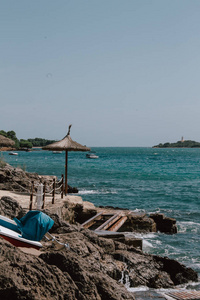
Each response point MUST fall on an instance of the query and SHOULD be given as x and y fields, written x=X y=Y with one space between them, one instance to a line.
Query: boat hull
x=13 y=153
x=92 y=156
x=17 y=240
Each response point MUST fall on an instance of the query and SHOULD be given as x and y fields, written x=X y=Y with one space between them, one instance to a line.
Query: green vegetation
x=26 y=144
x=11 y=135
x=179 y=144
x=38 y=142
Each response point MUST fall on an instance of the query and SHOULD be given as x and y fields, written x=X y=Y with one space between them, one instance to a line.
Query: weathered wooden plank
x=109 y=222
x=118 y=224
x=92 y=220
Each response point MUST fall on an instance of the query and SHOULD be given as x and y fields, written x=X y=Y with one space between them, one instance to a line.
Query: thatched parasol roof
x=6 y=142
x=66 y=144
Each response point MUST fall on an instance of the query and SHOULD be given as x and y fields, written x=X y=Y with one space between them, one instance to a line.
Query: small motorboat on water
x=13 y=153
x=92 y=155
x=57 y=152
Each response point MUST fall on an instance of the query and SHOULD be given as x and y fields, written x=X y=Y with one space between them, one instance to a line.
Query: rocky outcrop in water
x=93 y=268
x=164 y=224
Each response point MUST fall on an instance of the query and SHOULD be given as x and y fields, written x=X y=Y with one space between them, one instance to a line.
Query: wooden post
x=31 y=196
x=53 y=192
x=66 y=159
x=44 y=191
x=62 y=186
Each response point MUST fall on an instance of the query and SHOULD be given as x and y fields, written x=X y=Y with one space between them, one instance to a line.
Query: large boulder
x=139 y=222
x=10 y=208
x=164 y=224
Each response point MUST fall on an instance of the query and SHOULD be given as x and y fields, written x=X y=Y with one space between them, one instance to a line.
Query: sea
x=140 y=179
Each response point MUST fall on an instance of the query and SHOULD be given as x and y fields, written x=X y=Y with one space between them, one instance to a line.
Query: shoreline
x=75 y=209
x=124 y=257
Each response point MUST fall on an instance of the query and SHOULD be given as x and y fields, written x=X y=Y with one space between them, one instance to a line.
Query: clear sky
x=123 y=73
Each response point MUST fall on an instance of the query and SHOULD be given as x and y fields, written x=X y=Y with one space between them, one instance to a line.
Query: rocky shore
x=95 y=267
x=16 y=179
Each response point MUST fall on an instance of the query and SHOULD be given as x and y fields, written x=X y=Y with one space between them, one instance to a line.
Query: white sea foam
x=195 y=265
x=156 y=211
x=147 y=245
x=138 y=210
x=191 y=226
x=158 y=242
x=189 y=223
x=87 y=192
x=163 y=291
x=145 y=235
x=192 y=284
x=196 y=260
x=138 y=289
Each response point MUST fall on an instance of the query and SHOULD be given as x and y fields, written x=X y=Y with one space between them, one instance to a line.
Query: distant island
x=179 y=144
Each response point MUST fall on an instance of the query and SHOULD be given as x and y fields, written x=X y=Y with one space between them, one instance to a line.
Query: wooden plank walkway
x=110 y=222
x=106 y=225
x=91 y=221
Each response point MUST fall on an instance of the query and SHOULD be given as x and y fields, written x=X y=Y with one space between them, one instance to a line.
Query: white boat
x=10 y=232
x=17 y=240
x=91 y=155
x=57 y=152
x=13 y=153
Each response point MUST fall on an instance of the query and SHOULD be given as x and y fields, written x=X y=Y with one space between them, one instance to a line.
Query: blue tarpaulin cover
x=34 y=225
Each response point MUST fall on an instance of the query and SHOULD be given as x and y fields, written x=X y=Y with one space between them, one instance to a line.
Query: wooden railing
x=57 y=188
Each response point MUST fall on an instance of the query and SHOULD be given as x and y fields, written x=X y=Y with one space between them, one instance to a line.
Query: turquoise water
x=141 y=179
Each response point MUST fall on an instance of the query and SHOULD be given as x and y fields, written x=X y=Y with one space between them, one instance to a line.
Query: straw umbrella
x=66 y=144
x=6 y=142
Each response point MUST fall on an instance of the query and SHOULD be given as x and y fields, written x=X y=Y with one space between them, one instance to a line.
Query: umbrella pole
x=66 y=159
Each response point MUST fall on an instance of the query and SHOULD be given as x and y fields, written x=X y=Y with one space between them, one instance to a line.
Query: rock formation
x=164 y=224
x=93 y=268
x=15 y=179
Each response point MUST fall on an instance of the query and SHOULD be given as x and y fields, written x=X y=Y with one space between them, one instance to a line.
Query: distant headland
x=20 y=144
x=179 y=144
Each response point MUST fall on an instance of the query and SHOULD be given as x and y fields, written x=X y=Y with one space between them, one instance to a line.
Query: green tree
x=25 y=144
x=2 y=132
x=39 y=142
x=11 y=135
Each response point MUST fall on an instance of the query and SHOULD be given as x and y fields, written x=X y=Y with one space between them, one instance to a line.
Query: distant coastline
x=179 y=144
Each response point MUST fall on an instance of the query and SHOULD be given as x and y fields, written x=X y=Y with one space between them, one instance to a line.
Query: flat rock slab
x=121 y=237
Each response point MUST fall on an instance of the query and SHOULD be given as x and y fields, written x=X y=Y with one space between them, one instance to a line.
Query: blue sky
x=123 y=73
